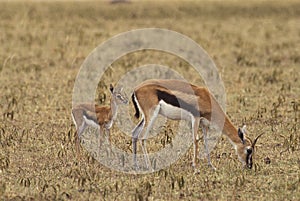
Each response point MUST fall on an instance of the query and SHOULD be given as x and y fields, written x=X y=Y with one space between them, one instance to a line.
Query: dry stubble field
x=254 y=45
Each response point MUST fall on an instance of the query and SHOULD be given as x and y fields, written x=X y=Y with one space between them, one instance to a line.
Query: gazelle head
x=245 y=150
x=118 y=96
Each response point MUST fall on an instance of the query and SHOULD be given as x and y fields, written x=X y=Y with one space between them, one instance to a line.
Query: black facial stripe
x=249 y=158
x=121 y=97
x=177 y=102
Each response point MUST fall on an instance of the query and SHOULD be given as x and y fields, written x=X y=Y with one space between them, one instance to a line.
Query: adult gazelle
x=179 y=100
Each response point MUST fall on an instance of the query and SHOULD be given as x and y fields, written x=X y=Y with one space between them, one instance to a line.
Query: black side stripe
x=177 y=102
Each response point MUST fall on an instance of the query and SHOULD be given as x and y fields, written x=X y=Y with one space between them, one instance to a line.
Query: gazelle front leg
x=135 y=134
x=104 y=137
x=205 y=126
x=108 y=140
x=79 y=131
x=195 y=126
x=100 y=138
x=148 y=126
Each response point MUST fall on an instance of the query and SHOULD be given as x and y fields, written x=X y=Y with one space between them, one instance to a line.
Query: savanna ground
x=255 y=46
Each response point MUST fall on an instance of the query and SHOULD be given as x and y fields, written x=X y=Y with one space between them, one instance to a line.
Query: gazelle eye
x=249 y=151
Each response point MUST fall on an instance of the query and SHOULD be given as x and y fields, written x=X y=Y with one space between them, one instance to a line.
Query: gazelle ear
x=244 y=129
x=241 y=135
x=111 y=88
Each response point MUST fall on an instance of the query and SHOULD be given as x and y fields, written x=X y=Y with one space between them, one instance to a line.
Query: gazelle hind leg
x=77 y=144
x=205 y=125
x=145 y=153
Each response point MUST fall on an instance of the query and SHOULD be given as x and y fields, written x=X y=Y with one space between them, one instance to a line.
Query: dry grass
x=255 y=46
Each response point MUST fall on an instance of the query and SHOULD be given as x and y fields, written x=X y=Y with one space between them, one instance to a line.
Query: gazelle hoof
x=136 y=167
x=196 y=171
x=212 y=167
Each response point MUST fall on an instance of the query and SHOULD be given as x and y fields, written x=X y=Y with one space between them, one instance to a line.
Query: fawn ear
x=241 y=135
x=111 y=88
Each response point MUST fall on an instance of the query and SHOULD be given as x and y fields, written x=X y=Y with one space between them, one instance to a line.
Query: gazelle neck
x=231 y=132
x=113 y=107
x=225 y=124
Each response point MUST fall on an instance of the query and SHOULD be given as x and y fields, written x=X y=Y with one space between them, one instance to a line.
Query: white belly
x=173 y=112
x=90 y=122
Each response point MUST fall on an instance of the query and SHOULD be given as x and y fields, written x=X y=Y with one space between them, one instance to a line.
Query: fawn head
x=118 y=96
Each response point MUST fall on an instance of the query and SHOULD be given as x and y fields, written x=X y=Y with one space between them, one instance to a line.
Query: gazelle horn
x=255 y=140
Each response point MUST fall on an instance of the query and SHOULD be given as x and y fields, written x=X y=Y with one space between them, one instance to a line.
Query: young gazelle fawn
x=179 y=100
x=94 y=115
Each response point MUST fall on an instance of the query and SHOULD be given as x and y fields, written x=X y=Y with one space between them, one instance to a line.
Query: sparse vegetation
x=255 y=46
